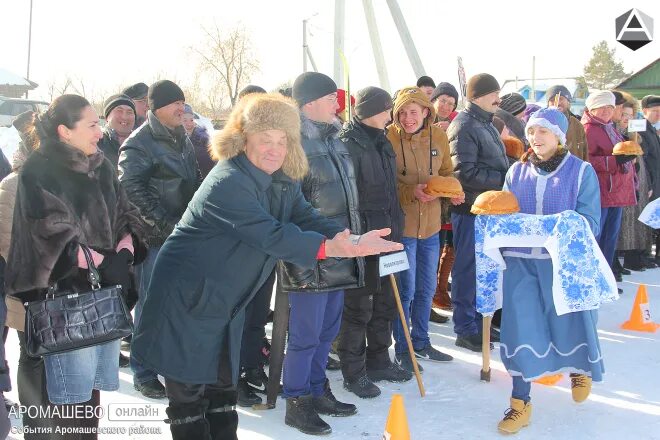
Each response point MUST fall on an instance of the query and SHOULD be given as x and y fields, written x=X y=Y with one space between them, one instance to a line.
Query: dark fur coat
x=65 y=198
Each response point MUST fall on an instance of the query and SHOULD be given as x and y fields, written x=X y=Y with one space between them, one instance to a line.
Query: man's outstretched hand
x=371 y=243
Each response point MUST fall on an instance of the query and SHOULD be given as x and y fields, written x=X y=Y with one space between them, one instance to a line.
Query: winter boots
x=222 y=416
x=328 y=404
x=441 y=299
x=516 y=417
x=580 y=387
x=392 y=373
x=362 y=387
x=300 y=414
x=187 y=421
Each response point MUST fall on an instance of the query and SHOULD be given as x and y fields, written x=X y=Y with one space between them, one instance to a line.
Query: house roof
x=630 y=82
x=8 y=78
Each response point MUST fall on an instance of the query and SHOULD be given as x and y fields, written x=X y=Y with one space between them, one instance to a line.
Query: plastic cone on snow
x=549 y=380
x=640 y=317
x=396 y=427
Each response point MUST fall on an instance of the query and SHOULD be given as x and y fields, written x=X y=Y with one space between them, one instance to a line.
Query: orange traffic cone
x=640 y=317
x=549 y=380
x=396 y=427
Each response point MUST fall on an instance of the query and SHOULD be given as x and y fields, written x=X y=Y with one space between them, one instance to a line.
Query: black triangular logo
x=634 y=23
x=634 y=45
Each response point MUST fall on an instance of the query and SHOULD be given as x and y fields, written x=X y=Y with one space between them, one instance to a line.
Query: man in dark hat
x=444 y=99
x=576 y=139
x=480 y=164
x=138 y=93
x=510 y=114
x=366 y=329
x=119 y=113
x=426 y=85
x=316 y=297
x=650 y=143
x=160 y=184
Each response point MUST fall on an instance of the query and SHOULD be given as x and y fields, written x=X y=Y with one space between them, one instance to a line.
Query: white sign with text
x=636 y=125
x=393 y=263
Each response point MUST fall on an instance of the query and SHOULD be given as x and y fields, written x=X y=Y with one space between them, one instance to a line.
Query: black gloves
x=114 y=269
x=624 y=158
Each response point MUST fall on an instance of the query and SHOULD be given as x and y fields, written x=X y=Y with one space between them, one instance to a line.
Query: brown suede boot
x=441 y=299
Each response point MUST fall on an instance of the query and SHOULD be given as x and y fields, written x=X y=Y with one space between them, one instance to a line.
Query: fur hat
x=258 y=112
x=650 y=101
x=552 y=119
x=409 y=95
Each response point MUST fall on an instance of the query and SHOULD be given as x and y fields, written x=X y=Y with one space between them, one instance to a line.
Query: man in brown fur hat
x=248 y=213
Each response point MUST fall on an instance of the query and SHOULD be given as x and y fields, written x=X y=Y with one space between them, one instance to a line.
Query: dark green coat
x=238 y=224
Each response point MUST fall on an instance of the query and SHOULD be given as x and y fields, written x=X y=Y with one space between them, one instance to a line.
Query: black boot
x=329 y=405
x=222 y=416
x=300 y=414
x=333 y=364
x=362 y=387
x=257 y=378
x=187 y=421
x=246 y=394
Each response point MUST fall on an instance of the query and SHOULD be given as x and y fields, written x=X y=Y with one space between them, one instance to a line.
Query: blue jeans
x=608 y=236
x=143 y=276
x=464 y=277
x=521 y=389
x=71 y=376
x=417 y=289
x=314 y=322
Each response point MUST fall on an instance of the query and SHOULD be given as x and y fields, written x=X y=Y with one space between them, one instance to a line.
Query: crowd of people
x=197 y=228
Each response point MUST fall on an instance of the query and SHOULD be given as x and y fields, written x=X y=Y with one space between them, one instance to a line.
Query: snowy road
x=459 y=406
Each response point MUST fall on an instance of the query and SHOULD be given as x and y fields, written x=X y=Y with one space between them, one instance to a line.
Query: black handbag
x=67 y=321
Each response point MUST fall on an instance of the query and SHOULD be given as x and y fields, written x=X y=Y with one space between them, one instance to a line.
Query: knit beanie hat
x=250 y=89
x=513 y=103
x=187 y=110
x=115 y=101
x=480 y=85
x=552 y=119
x=425 y=81
x=444 y=88
x=600 y=98
x=410 y=95
x=371 y=101
x=311 y=86
x=136 y=91
x=650 y=101
x=556 y=90
x=164 y=92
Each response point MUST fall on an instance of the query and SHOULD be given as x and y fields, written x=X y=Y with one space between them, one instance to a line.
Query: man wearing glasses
x=138 y=93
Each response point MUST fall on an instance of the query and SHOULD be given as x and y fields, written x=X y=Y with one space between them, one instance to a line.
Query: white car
x=12 y=107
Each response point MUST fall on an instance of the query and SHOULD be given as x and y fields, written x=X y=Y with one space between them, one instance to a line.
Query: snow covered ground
x=459 y=406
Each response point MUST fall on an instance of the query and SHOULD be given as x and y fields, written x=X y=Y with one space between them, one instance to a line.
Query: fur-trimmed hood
x=259 y=112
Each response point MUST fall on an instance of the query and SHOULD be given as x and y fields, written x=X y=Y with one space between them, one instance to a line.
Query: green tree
x=603 y=70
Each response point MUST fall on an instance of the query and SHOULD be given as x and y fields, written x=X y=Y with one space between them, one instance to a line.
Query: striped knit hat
x=552 y=119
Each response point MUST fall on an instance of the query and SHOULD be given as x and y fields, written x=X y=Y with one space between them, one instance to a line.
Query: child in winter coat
x=535 y=341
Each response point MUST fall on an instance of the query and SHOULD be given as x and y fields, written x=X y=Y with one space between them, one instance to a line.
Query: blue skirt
x=535 y=342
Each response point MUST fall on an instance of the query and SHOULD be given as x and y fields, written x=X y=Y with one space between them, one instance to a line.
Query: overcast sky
x=119 y=42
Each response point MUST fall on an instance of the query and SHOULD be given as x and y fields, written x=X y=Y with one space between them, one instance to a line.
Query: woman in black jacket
x=68 y=195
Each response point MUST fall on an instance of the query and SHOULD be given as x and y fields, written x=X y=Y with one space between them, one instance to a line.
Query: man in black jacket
x=316 y=296
x=369 y=311
x=119 y=112
x=158 y=170
x=651 y=146
x=480 y=164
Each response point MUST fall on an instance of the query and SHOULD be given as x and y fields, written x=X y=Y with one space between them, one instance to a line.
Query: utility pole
x=340 y=14
x=304 y=52
x=375 y=44
x=406 y=39
x=29 y=47
x=533 y=97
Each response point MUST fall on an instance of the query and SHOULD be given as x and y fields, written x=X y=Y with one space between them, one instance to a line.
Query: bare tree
x=227 y=58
